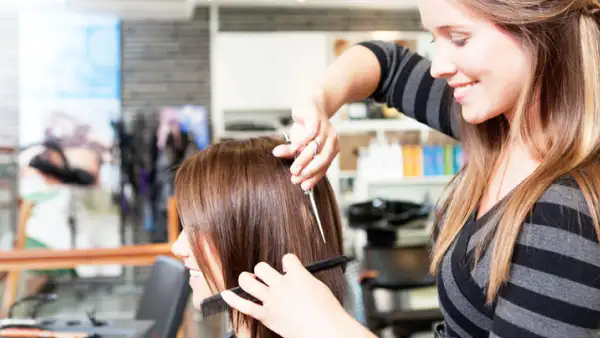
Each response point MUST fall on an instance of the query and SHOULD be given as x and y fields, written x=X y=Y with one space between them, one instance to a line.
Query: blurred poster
x=70 y=89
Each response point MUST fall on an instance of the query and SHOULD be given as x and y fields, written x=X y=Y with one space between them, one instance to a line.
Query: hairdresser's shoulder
x=562 y=213
x=554 y=282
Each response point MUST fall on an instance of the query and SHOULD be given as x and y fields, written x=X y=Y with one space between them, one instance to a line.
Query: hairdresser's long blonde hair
x=563 y=38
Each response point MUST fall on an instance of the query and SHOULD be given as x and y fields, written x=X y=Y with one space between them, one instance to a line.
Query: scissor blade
x=312 y=198
x=316 y=211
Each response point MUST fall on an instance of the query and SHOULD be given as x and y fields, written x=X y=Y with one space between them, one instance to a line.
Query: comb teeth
x=215 y=304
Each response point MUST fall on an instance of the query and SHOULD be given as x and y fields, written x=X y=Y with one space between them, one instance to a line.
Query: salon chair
x=165 y=297
x=161 y=306
x=388 y=274
x=381 y=219
x=389 y=270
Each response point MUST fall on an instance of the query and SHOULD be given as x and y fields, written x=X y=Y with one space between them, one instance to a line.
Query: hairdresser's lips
x=462 y=90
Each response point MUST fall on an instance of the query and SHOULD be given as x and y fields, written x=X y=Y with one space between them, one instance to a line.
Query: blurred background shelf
x=421 y=180
x=379 y=125
x=408 y=180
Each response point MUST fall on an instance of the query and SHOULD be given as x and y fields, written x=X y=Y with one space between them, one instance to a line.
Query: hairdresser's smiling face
x=198 y=282
x=486 y=66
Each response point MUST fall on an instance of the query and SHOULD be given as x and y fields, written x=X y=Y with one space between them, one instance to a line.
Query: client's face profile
x=198 y=282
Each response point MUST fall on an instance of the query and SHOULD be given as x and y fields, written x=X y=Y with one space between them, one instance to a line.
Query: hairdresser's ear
x=292 y=265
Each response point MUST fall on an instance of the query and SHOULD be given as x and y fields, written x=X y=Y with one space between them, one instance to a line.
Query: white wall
x=266 y=71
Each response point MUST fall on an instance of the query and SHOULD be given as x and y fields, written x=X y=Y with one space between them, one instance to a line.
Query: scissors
x=311 y=196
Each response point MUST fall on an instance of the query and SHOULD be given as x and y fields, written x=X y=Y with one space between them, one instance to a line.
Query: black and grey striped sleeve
x=554 y=285
x=407 y=85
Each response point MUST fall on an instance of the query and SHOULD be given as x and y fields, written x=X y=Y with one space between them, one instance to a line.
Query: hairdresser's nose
x=181 y=247
x=441 y=66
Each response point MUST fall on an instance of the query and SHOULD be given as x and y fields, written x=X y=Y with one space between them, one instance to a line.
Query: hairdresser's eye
x=458 y=41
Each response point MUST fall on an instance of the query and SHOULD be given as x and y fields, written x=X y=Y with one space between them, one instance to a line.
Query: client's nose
x=180 y=247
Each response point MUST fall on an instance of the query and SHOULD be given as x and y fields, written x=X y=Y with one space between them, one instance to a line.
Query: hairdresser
x=517 y=254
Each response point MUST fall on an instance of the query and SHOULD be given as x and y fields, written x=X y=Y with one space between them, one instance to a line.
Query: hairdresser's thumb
x=292 y=265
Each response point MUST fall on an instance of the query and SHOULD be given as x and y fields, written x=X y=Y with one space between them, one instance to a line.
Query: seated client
x=238 y=208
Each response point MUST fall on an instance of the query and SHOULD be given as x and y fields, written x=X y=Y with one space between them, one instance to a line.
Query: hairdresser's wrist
x=355 y=330
x=326 y=100
x=345 y=326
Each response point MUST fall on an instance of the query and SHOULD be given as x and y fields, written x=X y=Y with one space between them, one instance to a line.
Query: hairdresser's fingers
x=292 y=265
x=317 y=168
x=283 y=150
x=306 y=127
x=303 y=176
x=311 y=182
x=253 y=286
x=243 y=305
x=305 y=137
x=307 y=154
x=311 y=179
x=267 y=274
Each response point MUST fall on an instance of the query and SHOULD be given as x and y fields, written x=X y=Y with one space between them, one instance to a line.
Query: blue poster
x=69 y=91
x=70 y=56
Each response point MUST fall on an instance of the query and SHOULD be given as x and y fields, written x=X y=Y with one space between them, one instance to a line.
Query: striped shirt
x=554 y=284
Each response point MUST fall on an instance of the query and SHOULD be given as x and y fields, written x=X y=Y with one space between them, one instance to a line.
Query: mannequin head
x=239 y=208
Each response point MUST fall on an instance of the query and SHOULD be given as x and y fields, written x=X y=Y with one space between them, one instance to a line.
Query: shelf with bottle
x=402 y=170
x=432 y=160
x=428 y=164
x=378 y=125
x=412 y=180
x=396 y=156
x=407 y=156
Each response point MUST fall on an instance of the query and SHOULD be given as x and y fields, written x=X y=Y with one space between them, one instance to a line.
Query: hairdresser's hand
x=311 y=123
x=294 y=305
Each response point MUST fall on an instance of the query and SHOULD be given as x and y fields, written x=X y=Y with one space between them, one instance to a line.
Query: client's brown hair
x=239 y=198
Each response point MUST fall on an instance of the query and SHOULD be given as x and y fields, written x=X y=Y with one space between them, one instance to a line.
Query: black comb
x=215 y=304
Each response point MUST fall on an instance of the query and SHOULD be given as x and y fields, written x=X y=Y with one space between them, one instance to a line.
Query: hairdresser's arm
x=392 y=74
x=554 y=285
x=389 y=73
x=406 y=84
x=383 y=71
x=295 y=305
x=353 y=76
